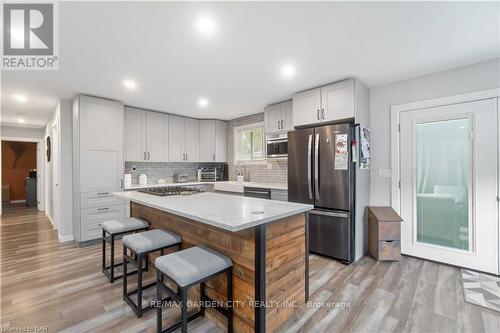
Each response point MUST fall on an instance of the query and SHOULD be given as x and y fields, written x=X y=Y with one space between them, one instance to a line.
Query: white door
x=448 y=158
x=176 y=139
x=273 y=118
x=220 y=141
x=192 y=139
x=207 y=140
x=135 y=135
x=306 y=107
x=337 y=101
x=156 y=137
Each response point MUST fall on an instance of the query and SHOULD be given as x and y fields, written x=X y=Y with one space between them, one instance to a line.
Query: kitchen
x=233 y=190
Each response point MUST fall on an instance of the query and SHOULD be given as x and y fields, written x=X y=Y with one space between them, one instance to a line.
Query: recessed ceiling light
x=20 y=98
x=20 y=118
x=202 y=102
x=288 y=71
x=206 y=26
x=129 y=84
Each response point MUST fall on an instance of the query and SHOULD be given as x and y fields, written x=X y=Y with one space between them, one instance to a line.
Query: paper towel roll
x=127 y=180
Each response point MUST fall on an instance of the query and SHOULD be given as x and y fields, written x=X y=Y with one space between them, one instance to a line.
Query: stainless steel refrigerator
x=321 y=173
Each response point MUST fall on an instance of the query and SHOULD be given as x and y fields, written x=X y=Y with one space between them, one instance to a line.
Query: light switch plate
x=384 y=173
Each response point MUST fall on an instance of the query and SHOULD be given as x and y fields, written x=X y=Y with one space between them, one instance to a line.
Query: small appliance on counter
x=143 y=180
x=181 y=177
x=212 y=172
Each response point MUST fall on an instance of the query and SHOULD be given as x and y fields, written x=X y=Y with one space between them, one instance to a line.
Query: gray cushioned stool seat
x=123 y=225
x=150 y=240
x=193 y=264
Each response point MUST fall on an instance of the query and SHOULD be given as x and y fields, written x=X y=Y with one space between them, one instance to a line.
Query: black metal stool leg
x=112 y=266
x=230 y=300
x=124 y=271
x=202 y=299
x=139 y=285
x=103 y=250
x=159 y=309
x=184 y=317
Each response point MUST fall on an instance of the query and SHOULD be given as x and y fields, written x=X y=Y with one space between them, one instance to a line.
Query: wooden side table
x=384 y=233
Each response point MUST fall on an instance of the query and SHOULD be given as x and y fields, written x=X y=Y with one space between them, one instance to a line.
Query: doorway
x=449 y=184
x=19 y=174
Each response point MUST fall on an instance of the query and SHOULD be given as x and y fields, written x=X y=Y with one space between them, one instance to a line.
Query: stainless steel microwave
x=277 y=145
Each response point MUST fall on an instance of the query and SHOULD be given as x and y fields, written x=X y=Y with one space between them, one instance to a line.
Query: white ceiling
x=238 y=70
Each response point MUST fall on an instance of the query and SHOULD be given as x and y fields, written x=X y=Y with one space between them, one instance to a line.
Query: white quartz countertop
x=272 y=186
x=228 y=212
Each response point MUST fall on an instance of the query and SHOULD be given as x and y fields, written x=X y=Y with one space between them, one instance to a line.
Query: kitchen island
x=266 y=240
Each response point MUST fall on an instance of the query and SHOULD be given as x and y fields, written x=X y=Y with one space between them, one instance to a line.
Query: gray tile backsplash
x=274 y=171
x=160 y=170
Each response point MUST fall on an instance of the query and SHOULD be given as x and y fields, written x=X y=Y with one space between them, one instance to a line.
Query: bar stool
x=116 y=228
x=141 y=245
x=187 y=268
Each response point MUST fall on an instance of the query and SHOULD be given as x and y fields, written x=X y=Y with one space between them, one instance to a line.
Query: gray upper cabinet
x=325 y=104
x=135 y=134
x=146 y=135
x=176 y=139
x=212 y=141
x=100 y=136
x=306 y=107
x=337 y=101
x=220 y=141
x=184 y=139
x=278 y=117
x=192 y=139
x=157 y=137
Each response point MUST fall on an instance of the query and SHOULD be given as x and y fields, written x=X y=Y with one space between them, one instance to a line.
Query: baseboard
x=51 y=222
x=18 y=201
x=67 y=238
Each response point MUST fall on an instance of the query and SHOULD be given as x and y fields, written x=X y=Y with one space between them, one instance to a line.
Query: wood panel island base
x=270 y=273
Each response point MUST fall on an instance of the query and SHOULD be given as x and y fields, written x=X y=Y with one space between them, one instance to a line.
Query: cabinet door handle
x=148 y=155
x=317 y=114
x=278 y=124
x=281 y=123
x=323 y=114
x=144 y=155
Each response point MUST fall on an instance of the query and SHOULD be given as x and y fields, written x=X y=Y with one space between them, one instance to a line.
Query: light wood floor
x=61 y=286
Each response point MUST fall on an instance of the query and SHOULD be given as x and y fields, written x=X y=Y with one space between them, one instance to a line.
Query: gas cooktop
x=170 y=190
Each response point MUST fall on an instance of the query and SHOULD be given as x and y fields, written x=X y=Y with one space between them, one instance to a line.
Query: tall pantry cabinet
x=98 y=127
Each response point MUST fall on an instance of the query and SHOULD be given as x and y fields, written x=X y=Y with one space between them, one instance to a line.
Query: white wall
x=476 y=77
x=64 y=225
x=22 y=132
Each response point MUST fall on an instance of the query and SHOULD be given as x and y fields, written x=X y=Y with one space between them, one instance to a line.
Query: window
x=249 y=143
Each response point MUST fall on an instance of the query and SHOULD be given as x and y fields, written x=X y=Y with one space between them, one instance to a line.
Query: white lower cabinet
x=91 y=219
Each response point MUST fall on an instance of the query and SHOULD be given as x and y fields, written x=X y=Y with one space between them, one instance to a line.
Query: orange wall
x=14 y=175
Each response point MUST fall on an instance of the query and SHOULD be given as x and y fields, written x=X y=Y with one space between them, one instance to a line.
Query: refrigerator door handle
x=309 y=158
x=316 y=166
x=331 y=214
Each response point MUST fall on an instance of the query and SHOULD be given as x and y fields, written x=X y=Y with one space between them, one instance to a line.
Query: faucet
x=240 y=164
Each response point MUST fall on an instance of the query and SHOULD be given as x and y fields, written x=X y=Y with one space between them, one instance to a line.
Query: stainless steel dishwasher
x=256 y=192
